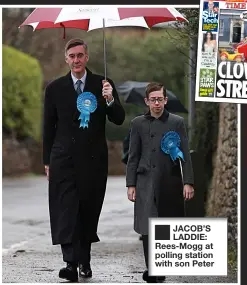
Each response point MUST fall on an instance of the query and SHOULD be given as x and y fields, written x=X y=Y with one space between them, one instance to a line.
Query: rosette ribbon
x=86 y=104
x=170 y=144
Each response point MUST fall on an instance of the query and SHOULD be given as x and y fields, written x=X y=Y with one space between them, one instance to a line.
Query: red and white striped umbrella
x=94 y=17
x=83 y=17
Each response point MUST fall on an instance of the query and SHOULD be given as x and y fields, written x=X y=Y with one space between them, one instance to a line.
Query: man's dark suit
x=78 y=160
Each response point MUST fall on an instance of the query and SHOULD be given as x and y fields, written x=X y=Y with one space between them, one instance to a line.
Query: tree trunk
x=222 y=197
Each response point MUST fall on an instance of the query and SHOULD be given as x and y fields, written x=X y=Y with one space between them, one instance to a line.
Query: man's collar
x=163 y=117
x=83 y=79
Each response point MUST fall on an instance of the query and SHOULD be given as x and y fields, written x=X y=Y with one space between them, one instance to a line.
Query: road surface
x=29 y=257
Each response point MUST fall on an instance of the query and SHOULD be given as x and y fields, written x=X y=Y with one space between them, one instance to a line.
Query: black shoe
x=69 y=272
x=85 y=271
x=160 y=279
x=152 y=279
x=149 y=279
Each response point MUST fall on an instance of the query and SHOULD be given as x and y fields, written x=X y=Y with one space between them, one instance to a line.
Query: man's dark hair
x=74 y=43
x=155 y=86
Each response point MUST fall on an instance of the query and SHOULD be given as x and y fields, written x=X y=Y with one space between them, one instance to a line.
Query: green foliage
x=146 y=55
x=191 y=27
x=118 y=133
x=233 y=256
x=22 y=85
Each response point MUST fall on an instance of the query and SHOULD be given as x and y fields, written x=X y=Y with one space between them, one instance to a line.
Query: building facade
x=232 y=29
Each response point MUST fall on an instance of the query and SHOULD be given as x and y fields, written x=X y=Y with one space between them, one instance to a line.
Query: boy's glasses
x=159 y=99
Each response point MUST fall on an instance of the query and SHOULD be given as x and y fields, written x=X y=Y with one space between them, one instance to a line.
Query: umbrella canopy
x=80 y=17
x=134 y=92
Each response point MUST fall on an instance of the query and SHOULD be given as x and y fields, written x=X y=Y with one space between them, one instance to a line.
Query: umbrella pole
x=104 y=46
x=181 y=168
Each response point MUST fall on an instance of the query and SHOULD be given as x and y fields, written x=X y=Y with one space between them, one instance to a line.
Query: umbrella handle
x=104 y=49
x=104 y=46
x=181 y=169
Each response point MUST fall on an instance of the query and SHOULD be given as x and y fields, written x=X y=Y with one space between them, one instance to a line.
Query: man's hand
x=107 y=91
x=132 y=194
x=188 y=192
x=47 y=171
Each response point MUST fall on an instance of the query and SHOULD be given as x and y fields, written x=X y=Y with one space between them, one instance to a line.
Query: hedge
x=21 y=94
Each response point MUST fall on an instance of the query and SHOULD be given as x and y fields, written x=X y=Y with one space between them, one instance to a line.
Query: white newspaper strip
x=188 y=246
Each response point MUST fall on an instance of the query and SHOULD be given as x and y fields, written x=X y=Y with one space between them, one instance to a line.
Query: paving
x=29 y=257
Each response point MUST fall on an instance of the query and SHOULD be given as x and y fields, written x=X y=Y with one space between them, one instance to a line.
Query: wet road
x=29 y=257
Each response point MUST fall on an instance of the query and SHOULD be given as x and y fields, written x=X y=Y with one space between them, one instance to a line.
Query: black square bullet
x=162 y=232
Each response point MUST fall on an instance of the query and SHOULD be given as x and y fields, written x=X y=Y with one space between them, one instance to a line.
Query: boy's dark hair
x=155 y=86
x=74 y=43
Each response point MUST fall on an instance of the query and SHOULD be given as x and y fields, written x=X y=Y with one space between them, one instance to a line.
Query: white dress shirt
x=83 y=80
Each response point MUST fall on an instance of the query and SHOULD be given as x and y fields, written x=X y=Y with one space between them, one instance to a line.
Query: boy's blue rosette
x=86 y=104
x=170 y=144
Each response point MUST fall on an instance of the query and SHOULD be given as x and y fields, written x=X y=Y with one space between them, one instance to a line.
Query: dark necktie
x=78 y=89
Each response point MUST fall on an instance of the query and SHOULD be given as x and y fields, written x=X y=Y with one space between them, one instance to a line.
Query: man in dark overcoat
x=154 y=181
x=76 y=157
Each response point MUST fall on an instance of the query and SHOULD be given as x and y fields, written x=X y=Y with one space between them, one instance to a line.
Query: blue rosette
x=86 y=104
x=170 y=144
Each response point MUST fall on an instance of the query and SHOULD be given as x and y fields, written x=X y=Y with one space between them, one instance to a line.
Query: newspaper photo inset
x=222 y=52
x=209 y=50
x=210 y=16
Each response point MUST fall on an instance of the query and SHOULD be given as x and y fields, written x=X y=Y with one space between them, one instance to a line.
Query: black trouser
x=145 y=248
x=76 y=253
